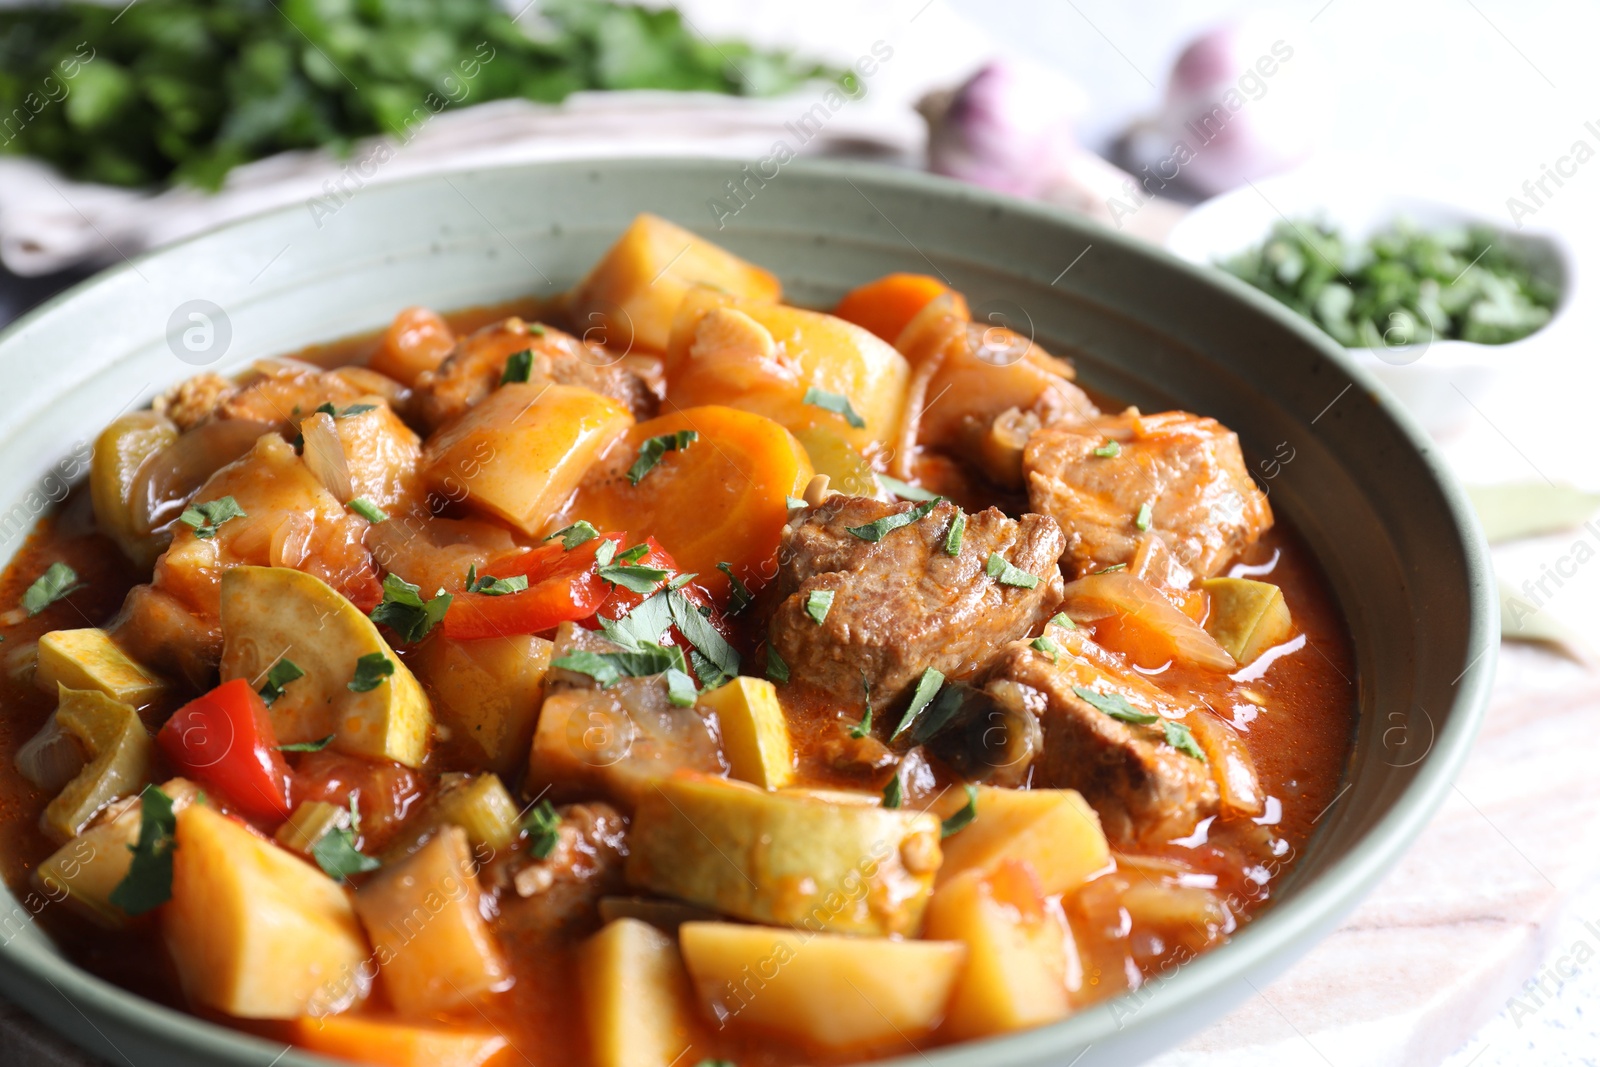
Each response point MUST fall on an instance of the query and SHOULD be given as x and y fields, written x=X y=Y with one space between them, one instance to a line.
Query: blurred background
x=1420 y=179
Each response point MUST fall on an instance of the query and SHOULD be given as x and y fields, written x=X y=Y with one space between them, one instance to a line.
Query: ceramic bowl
x=1439 y=383
x=1394 y=534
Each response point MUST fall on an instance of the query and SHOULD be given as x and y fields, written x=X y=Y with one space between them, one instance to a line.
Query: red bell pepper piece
x=225 y=741
x=562 y=586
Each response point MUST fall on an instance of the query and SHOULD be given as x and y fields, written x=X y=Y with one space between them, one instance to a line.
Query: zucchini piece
x=120 y=450
x=311 y=822
x=89 y=659
x=487 y=692
x=119 y=752
x=434 y=950
x=826 y=989
x=847 y=470
x=272 y=613
x=1247 y=617
x=755 y=734
x=637 y=1000
x=478 y=803
x=255 y=931
x=784 y=858
x=1054 y=830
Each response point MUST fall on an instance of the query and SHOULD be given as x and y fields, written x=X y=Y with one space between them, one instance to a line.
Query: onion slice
x=169 y=479
x=50 y=758
x=1135 y=603
x=324 y=455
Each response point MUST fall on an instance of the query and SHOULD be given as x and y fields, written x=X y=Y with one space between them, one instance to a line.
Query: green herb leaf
x=205 y=518
x=605 y=552
x=519 y=367
x=1142 y=520
x=894 y=792
x=836 y=403
x=335 y=852
x=944 y=709
x=1179 y=737
x=405 y=612
x=651 y=451
x=927 y=688
x=1112 y=569
x=818 y=601
x=904 y=491
x=864 y=727
x=607 y=668
x=1003 y=572
x=1047 y=646
x=633 y=577
x=715 y=661
x=279 y=675
x=681 y=690
x=878 y=529
x=777 y=670
x=795 y=502
x=309 y=746
x=357 y=409
x=492 y=586
x=1108 y=450
x=963 y=818
x=371 y=671
x=148 y=883
x=1061 y=619
x=741 y=595
x=572 y=536
x=58 y=581
x=952 y=537
x=1115 y=705
x=368 y=510
x=543 y=826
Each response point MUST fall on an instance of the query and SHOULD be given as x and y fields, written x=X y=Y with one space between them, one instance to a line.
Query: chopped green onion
x=368 y=510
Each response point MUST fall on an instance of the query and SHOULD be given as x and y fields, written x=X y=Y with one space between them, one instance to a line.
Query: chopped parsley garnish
x=1108 y=450
x=777 y=670
x=576 y=534
x=354 y=409
x=818 y=601
x=405 y=612
x=905 y=491
x=543 y=826
x=368 y=510
x=205 y=518
x=519 y=367
x=740 y=592
x=607 y=668
x=864 y=727
x=714 y=660
x=279 y=675
x=654 y=448
x=795 y=502
x=371 y=671
x=489 y=585
x=878 y=529
x=1141 y=521
x=952 y=536
x=1063 y=620
x=335 y=851
x=894 y=792
x=627 y=572
x=963 y=818
x=58 y=581
x=605 y=552
x=681 y=690
x=309 y=746
x=1179 y=737
x=1047 y=646
x=836 y=403
x=1111 y=569
x=928 y=687
x=148 y=883
x=536 y=329
x=1006 y=574
x=1115 y=705
x=940 y=713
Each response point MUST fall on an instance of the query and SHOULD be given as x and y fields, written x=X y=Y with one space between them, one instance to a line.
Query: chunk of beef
x=1203 y=506
x=1145 y=790
x=903 y=603
x=543 y=899
x=276 y=392
x=478 y=362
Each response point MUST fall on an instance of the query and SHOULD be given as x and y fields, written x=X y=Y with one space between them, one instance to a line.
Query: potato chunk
x=1247 y=617
x=784 y=858
x=755 y=735
x=273 y=613
x=1055 y=830
x=487 y=692
x=435 y=951
x=392 y=1043
x=635 y=289
x=254 y=931
x=840 y=992
x=89 y=659
x=1017 y=950
x=119 y=758
x=520 y=453
x=637 y=1000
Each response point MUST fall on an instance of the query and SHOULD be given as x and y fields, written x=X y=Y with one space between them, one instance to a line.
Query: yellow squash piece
x=434 y=950
x=784 y=858
x=89 y=659
x=755 y=735
x=311 y=822
x=629 y=298
x=1055 y=830
x=273 y=613
x=638 y=1004
x=478 y=803
x=119 y=751
x=396 y=1043
x=119 y=452
x=520 y=453
x=84 y=871
x=255 y=931
x=487 y=692
x=839 y=992
x=1018 y=960
x=1247 y=617
x=847 y=470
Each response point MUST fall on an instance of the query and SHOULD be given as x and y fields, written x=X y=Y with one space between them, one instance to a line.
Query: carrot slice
x=397 y=1044
x=888 y=304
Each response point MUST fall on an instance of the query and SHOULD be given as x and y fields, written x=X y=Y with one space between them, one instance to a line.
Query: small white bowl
x=1439 y=382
